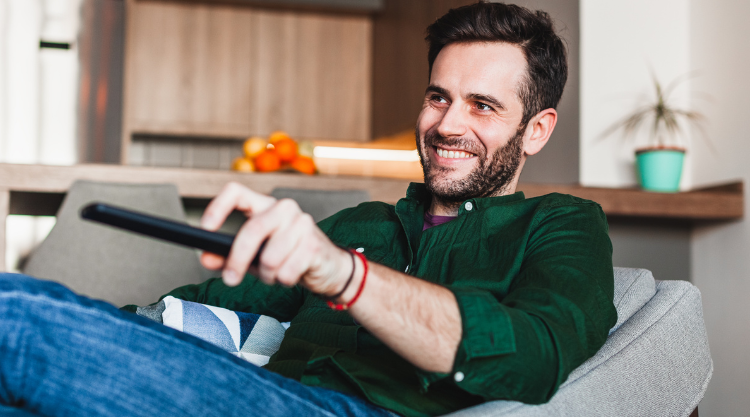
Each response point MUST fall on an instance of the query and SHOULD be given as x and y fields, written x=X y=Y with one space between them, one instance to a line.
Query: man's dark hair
x=533 y=32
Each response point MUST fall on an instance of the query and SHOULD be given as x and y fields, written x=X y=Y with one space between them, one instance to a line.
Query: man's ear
x=538 y=131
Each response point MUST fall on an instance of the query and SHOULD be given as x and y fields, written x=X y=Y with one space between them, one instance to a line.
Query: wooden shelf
x=723 y=202
x=35 y=184
x=40 y=189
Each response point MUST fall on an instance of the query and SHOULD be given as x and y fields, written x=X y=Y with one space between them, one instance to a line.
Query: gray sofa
x=656 y=361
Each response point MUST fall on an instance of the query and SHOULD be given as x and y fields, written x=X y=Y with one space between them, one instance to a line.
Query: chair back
x=322 y=203
x=110 y=264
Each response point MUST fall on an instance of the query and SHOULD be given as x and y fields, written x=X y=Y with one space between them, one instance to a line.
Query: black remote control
x=161 y=228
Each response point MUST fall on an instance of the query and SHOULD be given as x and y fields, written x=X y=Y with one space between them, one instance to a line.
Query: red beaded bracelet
x=347 y=306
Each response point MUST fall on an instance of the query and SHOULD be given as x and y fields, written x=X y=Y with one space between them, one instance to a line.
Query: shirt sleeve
x=251 y=296
x=557 y=312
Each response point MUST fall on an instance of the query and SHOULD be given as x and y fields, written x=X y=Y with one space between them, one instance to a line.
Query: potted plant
x=660 y=162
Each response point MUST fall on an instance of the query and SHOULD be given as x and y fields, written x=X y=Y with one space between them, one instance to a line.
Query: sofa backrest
x=116 y=266
x=633 y=289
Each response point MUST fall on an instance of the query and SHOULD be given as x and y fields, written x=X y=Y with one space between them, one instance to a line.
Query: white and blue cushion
x=252 y=337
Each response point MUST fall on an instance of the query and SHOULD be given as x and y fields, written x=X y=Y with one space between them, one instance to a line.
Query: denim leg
x=13 y=412
x=62 y=354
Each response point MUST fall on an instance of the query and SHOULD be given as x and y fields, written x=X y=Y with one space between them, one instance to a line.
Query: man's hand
x=419 y=320
x=296 y=251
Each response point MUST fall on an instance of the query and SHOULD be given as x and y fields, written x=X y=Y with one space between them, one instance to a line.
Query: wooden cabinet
x=313 y=77
x=233 y=71
x=189 y=69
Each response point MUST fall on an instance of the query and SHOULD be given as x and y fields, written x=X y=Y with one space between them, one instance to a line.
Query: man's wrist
x=342 y=275
x=351 y=290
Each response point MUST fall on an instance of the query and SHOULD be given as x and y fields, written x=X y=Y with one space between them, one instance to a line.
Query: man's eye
x=438 y=99
x=482 y=106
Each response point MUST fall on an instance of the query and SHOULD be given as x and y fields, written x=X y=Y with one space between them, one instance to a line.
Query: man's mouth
x=453 y=154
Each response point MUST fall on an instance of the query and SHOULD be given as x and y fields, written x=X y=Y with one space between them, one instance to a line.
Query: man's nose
x=453 y=122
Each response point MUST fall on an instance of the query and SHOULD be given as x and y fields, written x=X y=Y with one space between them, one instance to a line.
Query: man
x=465 y=291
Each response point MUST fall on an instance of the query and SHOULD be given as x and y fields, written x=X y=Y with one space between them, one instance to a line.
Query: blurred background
x=183 y=83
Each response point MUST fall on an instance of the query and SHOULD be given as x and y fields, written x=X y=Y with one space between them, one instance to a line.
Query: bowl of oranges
x=278 y=152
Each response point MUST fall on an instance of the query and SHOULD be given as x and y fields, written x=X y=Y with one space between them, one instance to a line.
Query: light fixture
x=364 y=154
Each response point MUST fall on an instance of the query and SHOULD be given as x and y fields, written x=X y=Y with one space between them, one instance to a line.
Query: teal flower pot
x=660 y=170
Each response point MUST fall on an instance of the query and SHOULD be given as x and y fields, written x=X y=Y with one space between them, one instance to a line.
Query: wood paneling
x=193 y=153
x=326 y=6
x=189 y=69
x=314 y=81
x=400 y=61
x=230 y=71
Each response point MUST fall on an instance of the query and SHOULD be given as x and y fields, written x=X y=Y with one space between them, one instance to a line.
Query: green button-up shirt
x=533 y=280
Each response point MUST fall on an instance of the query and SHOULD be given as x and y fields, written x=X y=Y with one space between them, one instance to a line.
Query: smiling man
x=463 y=292
x=473 y=134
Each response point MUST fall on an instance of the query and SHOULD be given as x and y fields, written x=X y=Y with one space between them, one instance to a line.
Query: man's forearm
x=419 y=320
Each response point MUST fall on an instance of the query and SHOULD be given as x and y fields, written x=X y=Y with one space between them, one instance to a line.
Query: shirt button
x=407 y=268
x=468 y=206
x=458 y=376
x=360 y=250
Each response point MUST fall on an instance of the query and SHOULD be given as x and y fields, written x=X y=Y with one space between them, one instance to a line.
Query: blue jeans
x=62 y=354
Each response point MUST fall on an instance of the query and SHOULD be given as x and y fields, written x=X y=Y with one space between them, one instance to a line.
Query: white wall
x=621 y=43
x=708 y=39
x=38 y=87
x=38 y=99
x=19 y=80
x=720 y=53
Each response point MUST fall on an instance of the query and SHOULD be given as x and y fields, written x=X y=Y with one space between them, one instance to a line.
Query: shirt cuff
x=487 y=330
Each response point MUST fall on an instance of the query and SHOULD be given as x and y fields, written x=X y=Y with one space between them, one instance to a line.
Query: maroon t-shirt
x=430 y=220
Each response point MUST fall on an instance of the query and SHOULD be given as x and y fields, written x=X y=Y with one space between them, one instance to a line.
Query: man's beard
x=492 y=176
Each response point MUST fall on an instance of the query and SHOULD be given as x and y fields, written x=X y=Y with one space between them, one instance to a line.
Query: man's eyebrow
x=474 y=96
x=488 y=99
x=435 y=89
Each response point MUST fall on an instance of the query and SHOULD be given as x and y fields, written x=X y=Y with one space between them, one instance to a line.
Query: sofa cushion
x=253 y=337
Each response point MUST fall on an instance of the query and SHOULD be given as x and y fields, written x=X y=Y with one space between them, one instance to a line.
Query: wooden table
x=39 y=190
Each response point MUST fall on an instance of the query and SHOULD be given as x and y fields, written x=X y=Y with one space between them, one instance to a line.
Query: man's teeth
x=453 y=154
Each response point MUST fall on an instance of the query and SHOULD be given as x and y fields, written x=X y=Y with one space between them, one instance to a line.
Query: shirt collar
x=418 y=191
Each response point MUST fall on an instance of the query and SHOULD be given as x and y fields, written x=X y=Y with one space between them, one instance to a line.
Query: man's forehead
x=495 y=68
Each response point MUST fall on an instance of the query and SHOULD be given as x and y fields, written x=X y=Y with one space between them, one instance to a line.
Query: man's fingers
x=212 y=261
x=245 y=246
x=294 y=266
x=234 y=196
x=254 y=232
x=282 y=250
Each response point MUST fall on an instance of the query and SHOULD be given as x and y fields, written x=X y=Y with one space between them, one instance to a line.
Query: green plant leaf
x=667 y=122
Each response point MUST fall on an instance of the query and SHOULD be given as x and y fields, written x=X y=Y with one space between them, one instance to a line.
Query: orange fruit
x=254 y=146
x=287 y=149
x=267 y=161
x=243 y=164
x=304 y=164
x=277 y=136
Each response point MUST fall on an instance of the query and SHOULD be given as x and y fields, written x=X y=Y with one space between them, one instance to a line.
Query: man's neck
x=440 y=208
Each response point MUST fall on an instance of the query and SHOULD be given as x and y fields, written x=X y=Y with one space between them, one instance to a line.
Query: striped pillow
x=252 y=337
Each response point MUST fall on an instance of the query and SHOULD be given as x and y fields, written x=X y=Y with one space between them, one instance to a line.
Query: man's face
x=469 y=135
